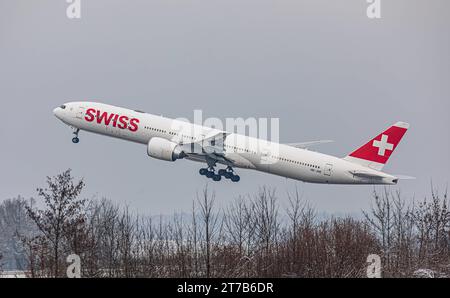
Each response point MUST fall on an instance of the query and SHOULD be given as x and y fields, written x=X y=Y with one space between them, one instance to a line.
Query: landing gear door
x=328 y=169
x=266 y=157
x=80 y=112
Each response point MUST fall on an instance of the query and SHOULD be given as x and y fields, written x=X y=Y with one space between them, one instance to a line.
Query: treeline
x=252 y=237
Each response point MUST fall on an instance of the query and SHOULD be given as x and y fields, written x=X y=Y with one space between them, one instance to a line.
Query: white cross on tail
x=383 y=145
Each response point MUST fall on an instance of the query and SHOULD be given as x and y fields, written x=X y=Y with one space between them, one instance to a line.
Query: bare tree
x=300 y=215
x=210 y=224
x=15 y=224
x=237 y=226
x=194 y=233
x=266 y=223
x=382 y=221
x=64 y=211
x=249 y=238
x=432 y=220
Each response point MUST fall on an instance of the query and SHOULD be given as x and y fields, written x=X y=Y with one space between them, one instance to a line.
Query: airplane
x=171 y=139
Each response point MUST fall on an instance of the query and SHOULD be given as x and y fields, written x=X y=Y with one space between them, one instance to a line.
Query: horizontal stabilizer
x=363 y=174
x=404 y=177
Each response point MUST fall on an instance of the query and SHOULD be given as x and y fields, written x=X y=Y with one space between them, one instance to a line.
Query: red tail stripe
x=380 y=150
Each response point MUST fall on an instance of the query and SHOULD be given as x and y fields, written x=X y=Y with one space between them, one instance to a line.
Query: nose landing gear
x=75 y=139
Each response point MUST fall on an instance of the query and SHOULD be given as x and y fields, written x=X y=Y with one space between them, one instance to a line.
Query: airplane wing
x=305 y=145
x=214 y=142
x=211 y=148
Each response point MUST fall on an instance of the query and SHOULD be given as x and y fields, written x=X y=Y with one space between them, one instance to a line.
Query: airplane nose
x=57 y=112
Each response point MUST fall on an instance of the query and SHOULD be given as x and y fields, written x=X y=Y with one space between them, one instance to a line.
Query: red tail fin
x=376 y=152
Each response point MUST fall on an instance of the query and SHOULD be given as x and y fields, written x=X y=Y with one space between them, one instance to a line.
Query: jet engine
x=165 y=150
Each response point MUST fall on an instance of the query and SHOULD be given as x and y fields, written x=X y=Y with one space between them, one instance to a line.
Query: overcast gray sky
x=321 y=66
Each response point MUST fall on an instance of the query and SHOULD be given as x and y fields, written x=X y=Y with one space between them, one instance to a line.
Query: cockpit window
x=63 y=107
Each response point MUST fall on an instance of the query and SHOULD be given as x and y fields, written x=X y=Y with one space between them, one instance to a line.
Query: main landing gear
x=75 y=139
x=228 y=173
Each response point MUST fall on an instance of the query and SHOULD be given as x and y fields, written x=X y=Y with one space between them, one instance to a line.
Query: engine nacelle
x=165 y=150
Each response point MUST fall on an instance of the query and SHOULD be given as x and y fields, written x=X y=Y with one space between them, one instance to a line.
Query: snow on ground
x=13 y=274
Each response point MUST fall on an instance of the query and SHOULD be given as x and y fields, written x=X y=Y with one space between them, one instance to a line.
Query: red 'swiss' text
x=114 y=120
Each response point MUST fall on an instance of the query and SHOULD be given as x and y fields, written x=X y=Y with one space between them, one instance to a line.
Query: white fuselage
x=245 y=152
